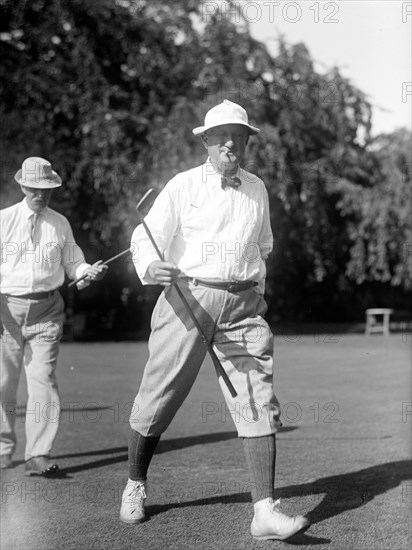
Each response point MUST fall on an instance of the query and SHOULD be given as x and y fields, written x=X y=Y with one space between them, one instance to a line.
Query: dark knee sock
x=260 y=453
x=141 y=450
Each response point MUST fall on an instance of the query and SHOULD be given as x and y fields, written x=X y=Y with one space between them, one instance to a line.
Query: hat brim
x=202 y=129
x=41 y=184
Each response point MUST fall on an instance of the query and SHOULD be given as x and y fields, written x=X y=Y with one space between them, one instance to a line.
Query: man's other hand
x=164 y=273
x=96 y=272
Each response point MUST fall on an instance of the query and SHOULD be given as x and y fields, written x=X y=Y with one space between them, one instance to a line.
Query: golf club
x=218 y=366
x=72 y=283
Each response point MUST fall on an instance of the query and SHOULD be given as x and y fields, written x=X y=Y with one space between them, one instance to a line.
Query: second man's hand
x=164 y=273
x=96 y=272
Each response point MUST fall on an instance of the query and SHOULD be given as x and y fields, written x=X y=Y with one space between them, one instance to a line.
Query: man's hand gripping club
x=164 y=273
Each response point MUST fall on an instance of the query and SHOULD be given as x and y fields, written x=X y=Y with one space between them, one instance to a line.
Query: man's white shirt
x=40 y=265
x=208 y=232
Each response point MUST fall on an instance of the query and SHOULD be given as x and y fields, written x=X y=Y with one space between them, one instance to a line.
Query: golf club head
x=146 y=202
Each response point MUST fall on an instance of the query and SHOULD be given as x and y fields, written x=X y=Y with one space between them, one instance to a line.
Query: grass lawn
x=343 y=454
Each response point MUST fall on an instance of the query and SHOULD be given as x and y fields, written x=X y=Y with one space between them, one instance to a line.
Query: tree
x=109 y=91
x=380 y=230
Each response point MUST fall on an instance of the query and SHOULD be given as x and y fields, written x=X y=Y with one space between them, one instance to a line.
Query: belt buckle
x=232 y=286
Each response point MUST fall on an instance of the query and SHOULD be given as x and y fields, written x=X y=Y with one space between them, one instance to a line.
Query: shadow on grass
x=352 y=490
x=341 y=493
x=20 y=411
x=238 y=498
x=163 y=447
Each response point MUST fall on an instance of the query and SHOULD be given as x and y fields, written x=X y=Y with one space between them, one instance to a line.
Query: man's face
x=226 y=146
x=37 y=199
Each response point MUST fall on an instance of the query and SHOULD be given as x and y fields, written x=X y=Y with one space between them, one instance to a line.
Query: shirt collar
x=211 y=172
x=27 y=211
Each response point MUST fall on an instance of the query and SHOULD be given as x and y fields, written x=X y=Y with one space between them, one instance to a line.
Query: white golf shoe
x=269 y=522
x=132 y=508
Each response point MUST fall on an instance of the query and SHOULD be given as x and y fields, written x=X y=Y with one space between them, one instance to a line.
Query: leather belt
x=33 y=295
x=232 y=286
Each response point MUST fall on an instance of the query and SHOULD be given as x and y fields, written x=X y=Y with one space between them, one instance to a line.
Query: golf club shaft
x=218 y=366
x=104 y=263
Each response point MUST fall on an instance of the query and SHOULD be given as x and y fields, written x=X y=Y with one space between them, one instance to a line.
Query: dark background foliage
x=109 y=93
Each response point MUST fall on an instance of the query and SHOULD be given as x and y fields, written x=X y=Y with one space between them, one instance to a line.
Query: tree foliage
x=110 y=90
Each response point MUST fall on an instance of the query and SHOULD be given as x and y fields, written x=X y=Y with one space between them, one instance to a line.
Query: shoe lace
x=274 y=508
x=137 y=493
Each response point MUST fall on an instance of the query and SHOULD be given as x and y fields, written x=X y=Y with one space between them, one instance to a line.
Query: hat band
x=39 y=179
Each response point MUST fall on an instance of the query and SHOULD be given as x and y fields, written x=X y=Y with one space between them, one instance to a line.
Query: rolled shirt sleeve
x=265 y=239
x=73 y=260
x=162 y=223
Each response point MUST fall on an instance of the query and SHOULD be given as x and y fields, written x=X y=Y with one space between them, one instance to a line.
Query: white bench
x=378 y=320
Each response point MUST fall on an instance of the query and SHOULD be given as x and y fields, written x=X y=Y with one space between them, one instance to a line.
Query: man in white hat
x=212 y=226
x=37 y=250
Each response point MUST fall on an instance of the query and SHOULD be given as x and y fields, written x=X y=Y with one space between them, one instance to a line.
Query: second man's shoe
x=132 y=508
x=41 y=466
x=5 y=461
x=269 y=522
